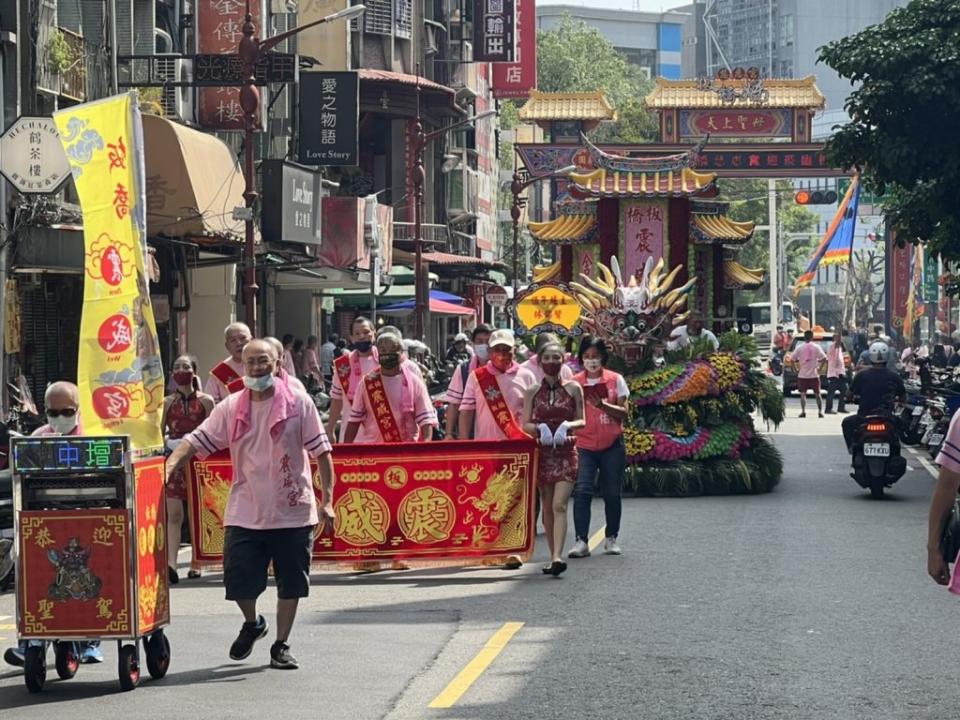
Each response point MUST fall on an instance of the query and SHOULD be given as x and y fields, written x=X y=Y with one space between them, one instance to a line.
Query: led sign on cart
x=68 y=454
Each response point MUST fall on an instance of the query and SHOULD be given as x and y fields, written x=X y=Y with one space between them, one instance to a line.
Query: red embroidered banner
x=423 y=503
x=153 y=606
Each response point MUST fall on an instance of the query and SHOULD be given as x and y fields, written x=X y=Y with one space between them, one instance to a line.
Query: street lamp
x=518 y=185
x=250 y=51
x=420 y=141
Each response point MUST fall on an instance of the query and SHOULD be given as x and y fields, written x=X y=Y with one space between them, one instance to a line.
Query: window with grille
x=388 y=17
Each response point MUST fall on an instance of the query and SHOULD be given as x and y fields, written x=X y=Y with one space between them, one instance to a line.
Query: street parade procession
x=479 y=359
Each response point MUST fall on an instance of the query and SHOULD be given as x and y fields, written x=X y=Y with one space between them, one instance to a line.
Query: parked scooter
x=877 y=462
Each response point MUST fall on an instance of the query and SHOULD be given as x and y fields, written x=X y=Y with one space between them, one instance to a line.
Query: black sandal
x=173 y=576
x=193 y=574
x=547 y=569
x=557 y=567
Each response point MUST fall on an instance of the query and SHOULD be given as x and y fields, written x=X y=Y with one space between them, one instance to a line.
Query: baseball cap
x=461 y=337
x=502 y=337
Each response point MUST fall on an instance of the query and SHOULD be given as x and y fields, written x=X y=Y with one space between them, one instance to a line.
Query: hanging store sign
x=329 y=118
x=32 y=157
x=291 y=203
x=226 y=70
x=547 y=308
x=517 y=79
x=736 y=123
x=494 y=31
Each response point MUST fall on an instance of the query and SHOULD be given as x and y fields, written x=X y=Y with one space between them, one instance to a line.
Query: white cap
x=461 y=337
x=502 y=337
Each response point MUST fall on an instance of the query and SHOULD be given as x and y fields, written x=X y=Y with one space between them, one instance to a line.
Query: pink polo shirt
x=512 y=384
x=367 y=363
x=835 y=362
x=409 y=400
x=454 y=393
x=272 y=483
x=216 y=388
x=808 y=358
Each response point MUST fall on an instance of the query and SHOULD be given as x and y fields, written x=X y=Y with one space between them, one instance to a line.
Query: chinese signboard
x=516 y=79
x=225 y=70
x=119 y=367
x=494 y=31
x=219 y=30
x=31 y=156
x=329 y=118
x=438 y=502
x=735 y=123
x=899 y=281
x=644 y=232
x=291 y=203
x=753 y=160
x=547 y=308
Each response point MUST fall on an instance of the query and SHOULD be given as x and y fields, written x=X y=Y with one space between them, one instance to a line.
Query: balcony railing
x=430 y=232
x=73 y=79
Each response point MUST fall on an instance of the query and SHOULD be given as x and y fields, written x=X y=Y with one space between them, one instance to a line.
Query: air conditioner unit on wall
x=178 y=102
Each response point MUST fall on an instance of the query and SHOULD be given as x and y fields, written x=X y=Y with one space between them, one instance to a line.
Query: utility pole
x=774 y=253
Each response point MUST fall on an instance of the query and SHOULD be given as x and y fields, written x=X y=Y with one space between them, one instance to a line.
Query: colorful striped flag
x=836 y=245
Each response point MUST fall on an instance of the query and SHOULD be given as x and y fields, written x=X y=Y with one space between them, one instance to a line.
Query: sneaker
x=611 y=547
x=91 y=653
x=803 y=415
x=14 y=656
x=281 y=658
x=579 y=550
x=250 y=632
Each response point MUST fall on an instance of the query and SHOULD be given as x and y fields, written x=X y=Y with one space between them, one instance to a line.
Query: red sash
x=235 y=386
x=498 y=405
x=342 y=366
x=225 y=374
x=380 y=406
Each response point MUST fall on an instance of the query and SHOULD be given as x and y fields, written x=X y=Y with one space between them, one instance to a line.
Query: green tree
x=903 y=129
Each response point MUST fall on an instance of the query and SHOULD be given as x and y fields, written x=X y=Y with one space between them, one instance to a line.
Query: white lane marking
x=926 y=464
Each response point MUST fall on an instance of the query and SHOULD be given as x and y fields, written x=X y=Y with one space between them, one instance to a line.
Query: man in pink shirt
x=836 y=375
x=454 y=394
x=270 y=430
x=500 y=382
x=392 y=404
x=349 y=370
x=808 y=358
x=228 y=372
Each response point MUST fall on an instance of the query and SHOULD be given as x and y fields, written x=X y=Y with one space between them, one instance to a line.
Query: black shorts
x=247 y=554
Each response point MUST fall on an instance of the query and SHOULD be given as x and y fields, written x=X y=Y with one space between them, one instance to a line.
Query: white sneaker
x=611 y=547
x=579 y=550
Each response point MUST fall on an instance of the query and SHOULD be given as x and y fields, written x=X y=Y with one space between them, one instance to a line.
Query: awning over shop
x=322 y=278
x=445 y=259
x=393 y=93
x=437 y=307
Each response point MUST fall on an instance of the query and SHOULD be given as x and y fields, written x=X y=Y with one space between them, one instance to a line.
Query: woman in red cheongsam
x=552 y=411
x=183 y=411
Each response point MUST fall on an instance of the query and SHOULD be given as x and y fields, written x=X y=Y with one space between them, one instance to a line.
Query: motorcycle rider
x=877 y=387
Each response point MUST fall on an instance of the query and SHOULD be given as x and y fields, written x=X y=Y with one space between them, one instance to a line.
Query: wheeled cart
x=90 y=554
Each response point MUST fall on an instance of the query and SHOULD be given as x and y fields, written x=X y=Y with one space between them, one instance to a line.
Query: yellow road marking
x=598 y=537
x=8 y=627
x=474 y=669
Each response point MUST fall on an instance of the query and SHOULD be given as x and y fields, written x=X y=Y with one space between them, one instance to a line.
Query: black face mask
x=363 y=346
x=390 y=361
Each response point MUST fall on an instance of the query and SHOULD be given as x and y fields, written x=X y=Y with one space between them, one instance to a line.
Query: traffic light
x=815 y=197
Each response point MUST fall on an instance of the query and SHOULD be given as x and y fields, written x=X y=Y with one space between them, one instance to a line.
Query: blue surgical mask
x=258 y=384
x=482 y=351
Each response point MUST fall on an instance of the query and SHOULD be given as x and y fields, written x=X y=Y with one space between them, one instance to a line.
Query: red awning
x=441 y=307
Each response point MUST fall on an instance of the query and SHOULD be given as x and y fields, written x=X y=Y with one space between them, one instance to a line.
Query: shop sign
x=517 y=79
x=494 y=31
x=291 y=203
x=32 y=157
x=736 y=123
x=329 y=118
x=496 y=296
x=547 y=308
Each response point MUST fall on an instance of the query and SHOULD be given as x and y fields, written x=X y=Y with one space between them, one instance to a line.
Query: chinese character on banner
x=644 y=231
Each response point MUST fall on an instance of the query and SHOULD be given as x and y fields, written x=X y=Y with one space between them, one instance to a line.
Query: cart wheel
x=129 y=667
x=68 y=660
x=35 y=668
x=158 y=655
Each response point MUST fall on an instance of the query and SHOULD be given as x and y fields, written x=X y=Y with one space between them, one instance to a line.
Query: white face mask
x=258 y=384
x=593 y=364
x=63 y=425
x=482 y=351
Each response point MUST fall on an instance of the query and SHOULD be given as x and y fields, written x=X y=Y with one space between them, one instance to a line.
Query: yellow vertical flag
x=120 y=374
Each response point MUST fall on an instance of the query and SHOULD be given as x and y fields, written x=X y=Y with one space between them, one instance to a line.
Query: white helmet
x=879 y=352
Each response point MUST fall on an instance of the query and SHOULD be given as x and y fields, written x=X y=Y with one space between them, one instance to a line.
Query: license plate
x=876 y=450
x=918 y=410
x=935 y=439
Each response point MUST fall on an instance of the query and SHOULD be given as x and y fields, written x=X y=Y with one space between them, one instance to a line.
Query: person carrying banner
x=554 y=411
x=392 y=403
x=454 y=394
x=348 y=370
x=271 y=514
x=226 y=377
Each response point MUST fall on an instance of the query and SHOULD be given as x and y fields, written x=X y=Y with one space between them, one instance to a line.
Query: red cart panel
x=153 y=596
x=74 y=574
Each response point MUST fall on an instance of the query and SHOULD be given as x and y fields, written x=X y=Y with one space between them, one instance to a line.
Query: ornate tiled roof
x=782 y=93
x=565 y=229
x=546 y=273
x=737 y=277
x=717 y=228
x=567 y=106
x=670 y=183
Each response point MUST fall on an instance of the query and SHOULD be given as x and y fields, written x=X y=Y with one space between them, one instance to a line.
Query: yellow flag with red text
x=119 y=371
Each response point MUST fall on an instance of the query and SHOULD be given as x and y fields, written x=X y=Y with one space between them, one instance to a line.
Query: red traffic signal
x=815 y=197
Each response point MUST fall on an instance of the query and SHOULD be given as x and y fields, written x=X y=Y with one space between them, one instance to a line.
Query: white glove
x=560 y=436
x=546 y=437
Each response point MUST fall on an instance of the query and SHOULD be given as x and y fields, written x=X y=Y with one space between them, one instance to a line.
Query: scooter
x=877 y=462
x=776 y=362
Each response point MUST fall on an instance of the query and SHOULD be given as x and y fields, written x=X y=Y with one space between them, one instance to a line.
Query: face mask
x=183 y=377
x=551 y=368
x=592 y=365
x=62 y=425
x=390 y=361
x=501 y=362
x=482 y=351
x=258 y=384
x=363 y=346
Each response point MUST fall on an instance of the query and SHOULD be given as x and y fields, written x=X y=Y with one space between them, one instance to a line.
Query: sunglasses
x=66 y=412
